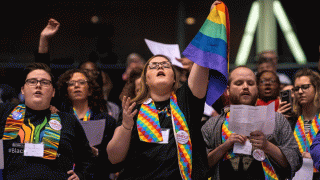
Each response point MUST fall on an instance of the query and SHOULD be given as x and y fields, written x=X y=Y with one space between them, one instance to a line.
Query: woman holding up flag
x=159 y=136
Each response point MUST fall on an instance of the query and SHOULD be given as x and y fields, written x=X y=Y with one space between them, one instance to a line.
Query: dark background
x=121 y=30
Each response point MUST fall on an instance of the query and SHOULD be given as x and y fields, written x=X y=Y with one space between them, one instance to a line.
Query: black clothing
x=254 y=172
x=160 y=161
x=73 y=149
x=101 y=166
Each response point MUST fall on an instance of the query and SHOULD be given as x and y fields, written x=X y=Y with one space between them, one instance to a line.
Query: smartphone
x=286 y=96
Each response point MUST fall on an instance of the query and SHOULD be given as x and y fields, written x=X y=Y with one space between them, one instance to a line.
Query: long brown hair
x=144 y=93
x=315 y=81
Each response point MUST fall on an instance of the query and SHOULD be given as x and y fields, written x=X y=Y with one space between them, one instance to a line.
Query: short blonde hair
x=144 y=93
x=315 y=81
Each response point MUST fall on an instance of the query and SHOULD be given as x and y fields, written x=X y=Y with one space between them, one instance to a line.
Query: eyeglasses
x=93 y=71
x=80 y=82
x=303 y=87
x=271 y=81
x=155 y=65
x=34 y=82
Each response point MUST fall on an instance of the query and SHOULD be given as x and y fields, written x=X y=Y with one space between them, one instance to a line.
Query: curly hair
x=96 y=101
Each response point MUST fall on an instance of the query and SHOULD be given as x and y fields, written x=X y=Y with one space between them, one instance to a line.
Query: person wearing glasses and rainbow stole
x=306 y=105
x=37 y=143
x=159 y=136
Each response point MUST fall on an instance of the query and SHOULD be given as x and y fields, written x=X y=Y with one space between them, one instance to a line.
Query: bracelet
x=129 y=129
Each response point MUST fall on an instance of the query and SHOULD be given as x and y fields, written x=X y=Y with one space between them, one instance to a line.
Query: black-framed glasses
x=34 y=82
x=164 y=64
x=303 y=87
x=81 y=82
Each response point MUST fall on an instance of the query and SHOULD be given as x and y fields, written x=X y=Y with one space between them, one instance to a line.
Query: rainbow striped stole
x=210 y=48
x=86 y=117
x=305 y=140
x=149 y=130
x=268 y=170
x=148 y=124
x=51 y=137
x=184 y=150
x=13 y=126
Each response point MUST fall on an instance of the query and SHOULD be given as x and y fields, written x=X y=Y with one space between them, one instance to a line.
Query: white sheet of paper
x=245 y=119
x=170 y=50
x=306 y=171
x=208 y=110
x=35 y=150
x=94 y=130
x=165 y=136
x=1 y=155
x=243 y=149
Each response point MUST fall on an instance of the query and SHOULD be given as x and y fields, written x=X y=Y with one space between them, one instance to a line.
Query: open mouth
x=37 y=93
x=267 y=90
x=161 y=73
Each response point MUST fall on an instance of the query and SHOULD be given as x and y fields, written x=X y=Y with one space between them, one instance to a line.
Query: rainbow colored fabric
x=305 y=140
x=210 y=48
x=50 y=137
x=149 y=130
x=148 y=125
x=268 y=170
x=86 y=117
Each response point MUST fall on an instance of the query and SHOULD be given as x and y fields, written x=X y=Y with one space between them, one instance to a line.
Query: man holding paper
x=274 y=156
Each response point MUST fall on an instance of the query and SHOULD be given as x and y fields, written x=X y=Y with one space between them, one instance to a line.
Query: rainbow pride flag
x=210 y=48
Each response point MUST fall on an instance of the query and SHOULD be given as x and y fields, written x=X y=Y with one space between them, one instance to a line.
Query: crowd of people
x=159 y=131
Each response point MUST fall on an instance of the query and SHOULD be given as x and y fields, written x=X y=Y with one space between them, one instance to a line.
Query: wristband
x=129 y=129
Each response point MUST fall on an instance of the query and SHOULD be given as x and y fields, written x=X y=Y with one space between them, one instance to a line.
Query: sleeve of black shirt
x=42 y=58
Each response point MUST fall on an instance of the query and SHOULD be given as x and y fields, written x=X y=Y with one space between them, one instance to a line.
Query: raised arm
x=119 y=145
x=47 y=33
x=198 y=80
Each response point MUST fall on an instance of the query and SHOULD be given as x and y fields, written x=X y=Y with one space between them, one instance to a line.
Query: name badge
x=33 y=150
x=165 y=135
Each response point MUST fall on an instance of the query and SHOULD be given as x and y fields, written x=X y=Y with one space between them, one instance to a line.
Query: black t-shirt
x=160 y=161
x=73 y=149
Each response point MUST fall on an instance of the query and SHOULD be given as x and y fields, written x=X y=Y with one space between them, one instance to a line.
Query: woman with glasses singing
x=39 y=144
x=78 y=91
x=306 y=105
x=159 y=135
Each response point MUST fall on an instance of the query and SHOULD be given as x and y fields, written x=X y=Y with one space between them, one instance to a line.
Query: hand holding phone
x=285 y=106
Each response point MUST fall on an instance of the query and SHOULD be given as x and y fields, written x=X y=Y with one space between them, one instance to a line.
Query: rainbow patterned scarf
x=50 y=138
x=305 y=140
x=86 y=117
x=268 y=170
x=149 y=130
